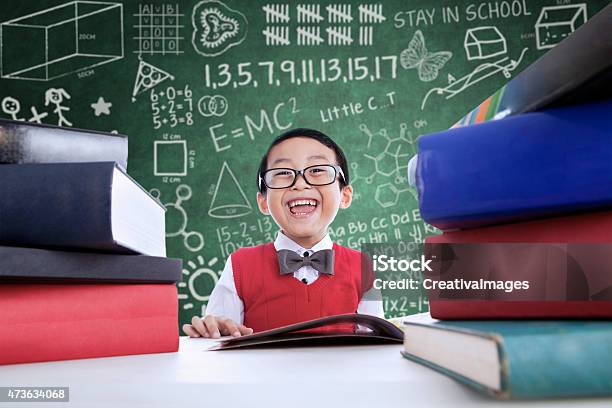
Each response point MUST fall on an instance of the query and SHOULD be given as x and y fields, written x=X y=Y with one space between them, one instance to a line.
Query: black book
x=42 y=265
x=79 y=205
x=24 y=142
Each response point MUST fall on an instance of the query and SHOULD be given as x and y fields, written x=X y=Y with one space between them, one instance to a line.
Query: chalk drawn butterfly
x=427 y=63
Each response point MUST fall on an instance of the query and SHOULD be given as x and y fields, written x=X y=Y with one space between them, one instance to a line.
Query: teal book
x=516 y=359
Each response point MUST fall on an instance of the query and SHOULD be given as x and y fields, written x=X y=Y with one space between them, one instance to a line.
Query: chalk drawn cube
x=555 y=23
x=61 y=40
x=484 y=42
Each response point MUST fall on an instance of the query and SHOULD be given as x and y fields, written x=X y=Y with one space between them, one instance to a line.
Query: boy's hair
x=311 y=134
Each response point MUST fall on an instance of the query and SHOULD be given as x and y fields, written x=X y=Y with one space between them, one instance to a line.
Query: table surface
x=356 y=375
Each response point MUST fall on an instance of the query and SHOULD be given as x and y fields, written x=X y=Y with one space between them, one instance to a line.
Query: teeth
x=302 y=202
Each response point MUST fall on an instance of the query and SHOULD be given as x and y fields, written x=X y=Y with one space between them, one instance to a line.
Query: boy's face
x=304 y=224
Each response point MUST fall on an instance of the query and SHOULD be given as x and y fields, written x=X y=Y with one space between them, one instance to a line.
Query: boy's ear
x=346 y=196
x=262 y=203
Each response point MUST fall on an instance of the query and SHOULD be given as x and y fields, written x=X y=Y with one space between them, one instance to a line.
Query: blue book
x=521 y=167
x=516 y=359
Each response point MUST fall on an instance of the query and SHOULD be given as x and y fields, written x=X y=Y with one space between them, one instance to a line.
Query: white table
x=331 y=376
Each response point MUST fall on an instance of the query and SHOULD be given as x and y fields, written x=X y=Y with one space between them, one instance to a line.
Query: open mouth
x=302 y=206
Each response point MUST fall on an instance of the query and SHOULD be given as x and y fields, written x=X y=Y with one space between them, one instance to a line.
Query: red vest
x=273 y=300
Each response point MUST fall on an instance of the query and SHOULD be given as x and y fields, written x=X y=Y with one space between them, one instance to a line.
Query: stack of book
x=83 y=267
x=523 y=269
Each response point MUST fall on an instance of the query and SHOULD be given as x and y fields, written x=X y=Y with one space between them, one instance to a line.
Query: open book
x=371 y=330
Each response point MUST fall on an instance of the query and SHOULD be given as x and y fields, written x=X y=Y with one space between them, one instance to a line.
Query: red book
x=567 y=261
x=46 y=322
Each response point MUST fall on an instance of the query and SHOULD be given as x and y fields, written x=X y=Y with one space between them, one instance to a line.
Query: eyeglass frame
x=297 y=173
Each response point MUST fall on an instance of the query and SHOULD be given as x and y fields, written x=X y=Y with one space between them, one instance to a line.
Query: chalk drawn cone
x=232 y=201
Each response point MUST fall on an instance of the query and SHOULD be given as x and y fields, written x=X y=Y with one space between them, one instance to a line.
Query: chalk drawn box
x=484 y=42
x=61 y=40
x=170 y=158
x=555 y=23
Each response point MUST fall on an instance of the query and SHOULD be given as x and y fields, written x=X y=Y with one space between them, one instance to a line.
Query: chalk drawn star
x=101 y=107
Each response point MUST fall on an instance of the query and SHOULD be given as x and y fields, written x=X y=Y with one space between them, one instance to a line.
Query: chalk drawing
x=233 y=202
x=62 y=40
x=428 y=64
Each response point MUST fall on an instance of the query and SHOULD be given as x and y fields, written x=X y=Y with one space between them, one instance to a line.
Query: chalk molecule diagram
x=387 y=158
x=193 y=241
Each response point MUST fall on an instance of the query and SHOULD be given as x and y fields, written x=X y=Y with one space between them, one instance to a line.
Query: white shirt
x=224 y=299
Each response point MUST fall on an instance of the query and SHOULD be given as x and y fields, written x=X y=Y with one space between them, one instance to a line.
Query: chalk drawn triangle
x=148 y=77
x=232 y=201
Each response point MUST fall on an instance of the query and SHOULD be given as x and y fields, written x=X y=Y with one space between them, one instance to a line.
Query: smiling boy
x=303 y=181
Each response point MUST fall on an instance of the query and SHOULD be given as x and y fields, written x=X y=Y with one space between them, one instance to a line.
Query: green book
x=516 y=359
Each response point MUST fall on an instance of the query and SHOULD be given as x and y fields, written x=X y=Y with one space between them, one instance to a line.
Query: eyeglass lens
x=314 y=175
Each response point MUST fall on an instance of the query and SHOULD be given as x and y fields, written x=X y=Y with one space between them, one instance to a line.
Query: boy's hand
x=215 y=326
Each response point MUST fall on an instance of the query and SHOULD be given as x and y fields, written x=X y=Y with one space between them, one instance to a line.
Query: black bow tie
x=322 y=261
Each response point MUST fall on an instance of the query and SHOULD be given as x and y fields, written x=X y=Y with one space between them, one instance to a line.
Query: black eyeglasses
x=318 y=175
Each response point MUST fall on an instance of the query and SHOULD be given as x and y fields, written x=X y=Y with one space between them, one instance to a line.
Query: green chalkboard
x=202 y=87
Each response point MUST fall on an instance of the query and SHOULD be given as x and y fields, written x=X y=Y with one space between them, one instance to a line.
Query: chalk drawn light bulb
x=201 y=283
x=201 y=279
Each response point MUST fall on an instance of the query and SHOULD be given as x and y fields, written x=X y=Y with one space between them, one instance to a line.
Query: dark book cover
x=24 y=142
x=335 y=329
x=69 y=205
x=34 y=264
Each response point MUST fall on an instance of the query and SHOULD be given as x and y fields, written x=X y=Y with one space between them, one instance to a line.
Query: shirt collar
x=284 y=242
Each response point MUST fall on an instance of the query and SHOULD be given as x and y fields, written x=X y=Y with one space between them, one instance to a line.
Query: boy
x=303 y=180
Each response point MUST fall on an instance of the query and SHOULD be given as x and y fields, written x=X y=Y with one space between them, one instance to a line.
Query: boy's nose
x=300 y=182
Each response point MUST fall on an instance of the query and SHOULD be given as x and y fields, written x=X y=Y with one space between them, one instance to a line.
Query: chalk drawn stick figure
x=55 y=96
x=11 y=106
